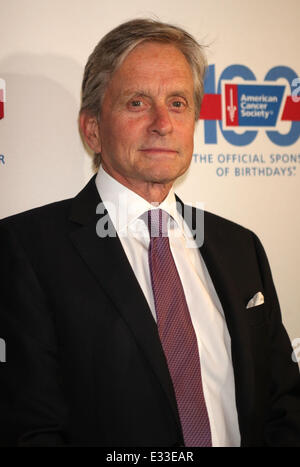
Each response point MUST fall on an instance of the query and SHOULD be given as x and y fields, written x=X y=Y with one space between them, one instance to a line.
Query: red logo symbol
x=2 y=97
x=231 y=99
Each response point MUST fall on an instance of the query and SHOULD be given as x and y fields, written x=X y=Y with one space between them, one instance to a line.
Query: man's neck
x=153 y=192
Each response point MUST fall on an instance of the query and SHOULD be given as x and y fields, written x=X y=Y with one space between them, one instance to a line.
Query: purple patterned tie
x=177 y=334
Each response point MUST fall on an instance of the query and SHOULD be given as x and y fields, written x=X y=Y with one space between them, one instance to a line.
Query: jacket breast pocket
x=256 y=315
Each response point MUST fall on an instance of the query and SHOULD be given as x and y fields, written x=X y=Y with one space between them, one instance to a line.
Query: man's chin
x=164 y=176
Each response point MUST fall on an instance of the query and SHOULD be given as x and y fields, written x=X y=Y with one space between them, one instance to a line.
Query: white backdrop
x=44 y=47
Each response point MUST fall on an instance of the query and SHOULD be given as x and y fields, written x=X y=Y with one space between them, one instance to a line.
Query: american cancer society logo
x=251 y=105
x=2 y=97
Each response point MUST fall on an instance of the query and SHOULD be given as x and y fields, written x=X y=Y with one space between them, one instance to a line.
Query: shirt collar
x=124 y=206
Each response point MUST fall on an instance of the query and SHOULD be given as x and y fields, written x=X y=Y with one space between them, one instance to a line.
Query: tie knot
x=158 y=223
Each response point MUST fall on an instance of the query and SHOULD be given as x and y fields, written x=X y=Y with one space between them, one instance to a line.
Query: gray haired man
x=141 y=337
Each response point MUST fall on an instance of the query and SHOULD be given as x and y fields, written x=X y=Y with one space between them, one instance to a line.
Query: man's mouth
x=159 y=150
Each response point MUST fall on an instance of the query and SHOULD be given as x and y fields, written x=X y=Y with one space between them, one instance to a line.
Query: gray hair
x=114 y=47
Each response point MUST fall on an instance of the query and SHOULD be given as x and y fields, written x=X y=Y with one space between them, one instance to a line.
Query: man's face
x=147 y=118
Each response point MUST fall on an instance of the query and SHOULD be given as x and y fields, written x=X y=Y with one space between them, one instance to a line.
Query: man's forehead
x=152 y=69
x=154 y=55
x=154 y=65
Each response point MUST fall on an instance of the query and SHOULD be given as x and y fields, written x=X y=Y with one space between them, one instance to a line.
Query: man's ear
x=89 y=127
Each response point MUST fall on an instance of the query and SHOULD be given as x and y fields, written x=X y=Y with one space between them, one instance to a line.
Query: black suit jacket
x=84 y=361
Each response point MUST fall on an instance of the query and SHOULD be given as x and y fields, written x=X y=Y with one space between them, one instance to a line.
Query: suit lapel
x=218 y=255
x=108 y=262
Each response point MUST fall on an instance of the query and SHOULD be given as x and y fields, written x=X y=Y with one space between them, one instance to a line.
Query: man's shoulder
x=230 y=233
x=216 y=222
x=224 y=223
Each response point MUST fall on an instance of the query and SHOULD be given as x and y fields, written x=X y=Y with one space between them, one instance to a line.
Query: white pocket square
x=257 y=299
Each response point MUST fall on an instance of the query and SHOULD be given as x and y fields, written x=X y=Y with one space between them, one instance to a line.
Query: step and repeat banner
x=246 y=162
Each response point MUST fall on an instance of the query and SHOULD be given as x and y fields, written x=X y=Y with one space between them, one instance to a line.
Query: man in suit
x=86 y=304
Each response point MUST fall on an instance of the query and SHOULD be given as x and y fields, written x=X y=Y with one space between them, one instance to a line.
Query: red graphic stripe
x=291 y=111
x=211 y=108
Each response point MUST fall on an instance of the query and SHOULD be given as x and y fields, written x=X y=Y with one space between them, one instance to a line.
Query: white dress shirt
x=125 y=209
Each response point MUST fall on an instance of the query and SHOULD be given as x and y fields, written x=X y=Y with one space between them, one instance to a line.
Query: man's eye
x=136 y=103
x=178 y=104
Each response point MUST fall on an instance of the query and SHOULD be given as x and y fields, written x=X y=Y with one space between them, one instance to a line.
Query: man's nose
x=161 y=122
